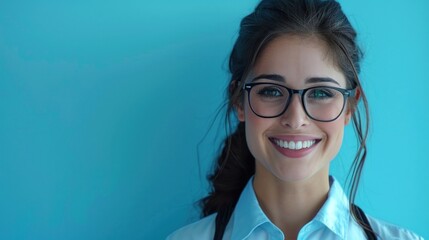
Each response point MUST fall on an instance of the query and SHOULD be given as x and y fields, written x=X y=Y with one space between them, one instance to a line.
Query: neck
x=290 y=205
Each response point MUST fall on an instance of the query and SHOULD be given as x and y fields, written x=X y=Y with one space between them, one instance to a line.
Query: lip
x=294 y=153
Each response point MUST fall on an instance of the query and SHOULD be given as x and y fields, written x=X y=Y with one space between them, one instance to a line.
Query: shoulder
x=386 y=230
x=200 y=230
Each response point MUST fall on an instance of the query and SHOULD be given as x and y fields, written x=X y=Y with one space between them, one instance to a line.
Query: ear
x=238 y=107
x=350 y=110
x=240 y=112
x=358 y=93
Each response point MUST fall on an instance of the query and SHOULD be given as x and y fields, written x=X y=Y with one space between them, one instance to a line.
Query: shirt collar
x=334 y=213
x=248 y=215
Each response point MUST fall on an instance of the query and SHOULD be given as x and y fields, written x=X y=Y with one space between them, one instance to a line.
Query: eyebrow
x=279 y=78
x=274 y=77
x=321 y=79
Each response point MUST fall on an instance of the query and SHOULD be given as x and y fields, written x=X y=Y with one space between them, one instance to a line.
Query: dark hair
x=272 y=18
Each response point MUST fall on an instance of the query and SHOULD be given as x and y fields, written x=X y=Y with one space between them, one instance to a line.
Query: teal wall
x=103 y=104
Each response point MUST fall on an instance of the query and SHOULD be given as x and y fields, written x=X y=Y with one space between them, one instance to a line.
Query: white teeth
x=295 y=145
x=285 y=145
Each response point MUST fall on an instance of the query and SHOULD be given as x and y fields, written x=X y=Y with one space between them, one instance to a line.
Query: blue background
x=103 y=104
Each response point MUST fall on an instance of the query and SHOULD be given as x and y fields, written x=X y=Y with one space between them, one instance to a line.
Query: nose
x=295 y=117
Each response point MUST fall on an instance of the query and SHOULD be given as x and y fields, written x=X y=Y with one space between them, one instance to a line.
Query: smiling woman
x=103 y=104
x=297 y=59
x=294 y=87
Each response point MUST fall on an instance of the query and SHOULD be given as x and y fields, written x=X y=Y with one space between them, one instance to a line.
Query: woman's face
x=300 y=62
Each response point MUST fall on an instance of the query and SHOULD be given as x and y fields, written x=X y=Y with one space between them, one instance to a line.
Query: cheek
x=255 y=132
x=249 y=116
x=254 y=124
x=334 y=131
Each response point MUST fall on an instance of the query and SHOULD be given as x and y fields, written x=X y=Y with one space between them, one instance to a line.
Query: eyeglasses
x=321 y=103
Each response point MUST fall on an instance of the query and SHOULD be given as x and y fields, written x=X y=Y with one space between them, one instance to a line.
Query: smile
x=294 y=145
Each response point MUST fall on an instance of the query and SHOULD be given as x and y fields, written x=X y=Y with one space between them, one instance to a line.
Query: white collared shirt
x=333 y=221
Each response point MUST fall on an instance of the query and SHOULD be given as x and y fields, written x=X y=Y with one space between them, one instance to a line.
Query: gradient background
x=103 y=104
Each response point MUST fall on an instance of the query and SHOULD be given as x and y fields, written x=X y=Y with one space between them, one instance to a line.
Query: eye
x=321 y=93
x=270 y=92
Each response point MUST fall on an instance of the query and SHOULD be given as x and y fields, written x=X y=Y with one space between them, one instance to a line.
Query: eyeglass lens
x=320 y=103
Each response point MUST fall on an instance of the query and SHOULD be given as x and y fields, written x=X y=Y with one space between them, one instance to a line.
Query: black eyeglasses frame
x=301 y=92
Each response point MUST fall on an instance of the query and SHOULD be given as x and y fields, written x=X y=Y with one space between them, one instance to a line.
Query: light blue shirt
x=249 y=222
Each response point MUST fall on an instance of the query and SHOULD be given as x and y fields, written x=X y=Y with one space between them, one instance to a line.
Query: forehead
x=297 y=58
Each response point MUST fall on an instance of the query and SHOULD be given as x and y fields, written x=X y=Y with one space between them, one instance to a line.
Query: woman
x=294 y=87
